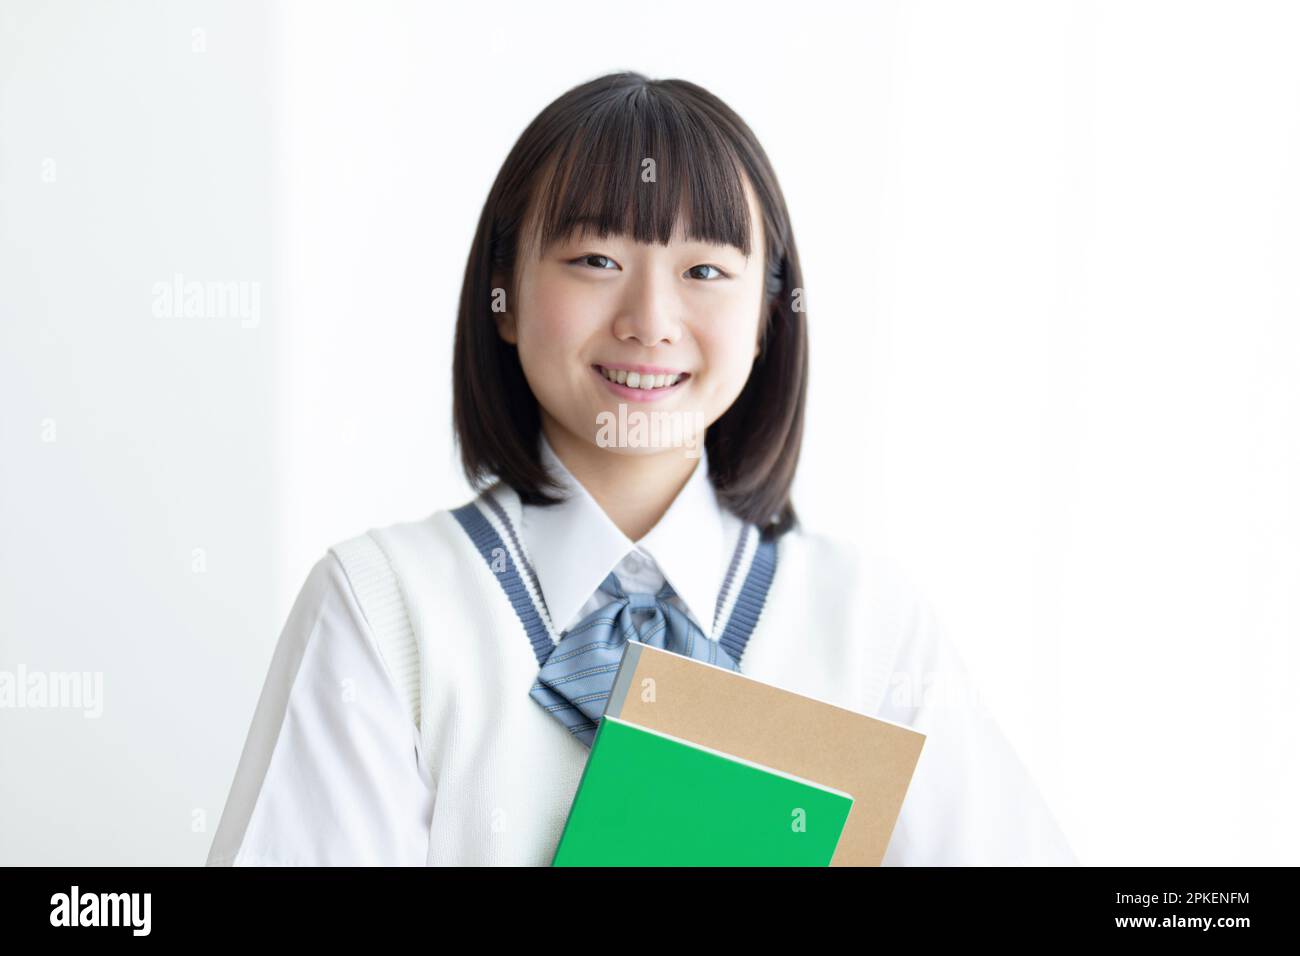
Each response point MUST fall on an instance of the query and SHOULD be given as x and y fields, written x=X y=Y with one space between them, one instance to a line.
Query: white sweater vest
x=505 y=771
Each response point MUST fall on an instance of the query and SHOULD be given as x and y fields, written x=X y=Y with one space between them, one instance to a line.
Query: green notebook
x=648 y=799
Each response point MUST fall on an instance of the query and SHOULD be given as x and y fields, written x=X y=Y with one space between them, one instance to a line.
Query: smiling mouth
x=645 y=382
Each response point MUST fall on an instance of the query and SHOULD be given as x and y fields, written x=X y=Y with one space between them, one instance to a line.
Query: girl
x=630 y=368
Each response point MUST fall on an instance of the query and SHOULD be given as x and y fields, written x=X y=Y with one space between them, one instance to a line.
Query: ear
x=506 y=327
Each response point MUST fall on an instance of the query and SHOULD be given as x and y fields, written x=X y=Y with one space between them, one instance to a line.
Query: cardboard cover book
x=744 y=756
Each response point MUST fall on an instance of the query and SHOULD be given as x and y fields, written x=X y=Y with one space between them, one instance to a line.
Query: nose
x=649 y=312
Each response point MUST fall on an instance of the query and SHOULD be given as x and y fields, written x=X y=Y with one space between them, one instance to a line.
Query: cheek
x=551 y=323
x=727 y=339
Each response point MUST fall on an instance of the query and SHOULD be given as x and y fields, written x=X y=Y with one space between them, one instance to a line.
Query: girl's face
x=593 y=307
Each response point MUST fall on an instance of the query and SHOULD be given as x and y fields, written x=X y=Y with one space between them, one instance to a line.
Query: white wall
x=1049 y=249
x=133 y=149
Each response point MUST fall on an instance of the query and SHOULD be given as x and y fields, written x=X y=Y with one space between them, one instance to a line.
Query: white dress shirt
x=574 y=545
x=329 y=774
x=332 y=770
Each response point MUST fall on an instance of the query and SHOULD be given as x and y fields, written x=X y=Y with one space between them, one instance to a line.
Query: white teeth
x=638 y=380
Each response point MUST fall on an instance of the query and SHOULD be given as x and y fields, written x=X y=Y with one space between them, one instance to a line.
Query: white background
x=1051 y=253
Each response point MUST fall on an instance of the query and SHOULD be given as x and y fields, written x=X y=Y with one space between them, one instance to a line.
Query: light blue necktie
x=575 y=680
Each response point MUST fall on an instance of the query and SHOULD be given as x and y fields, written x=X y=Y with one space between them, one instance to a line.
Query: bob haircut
x=579 y=164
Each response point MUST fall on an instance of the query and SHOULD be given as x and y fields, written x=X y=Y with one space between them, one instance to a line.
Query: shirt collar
x=574 y=545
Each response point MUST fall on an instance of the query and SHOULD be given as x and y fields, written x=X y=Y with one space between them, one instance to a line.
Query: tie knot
x=641 y=601
x=637 y=600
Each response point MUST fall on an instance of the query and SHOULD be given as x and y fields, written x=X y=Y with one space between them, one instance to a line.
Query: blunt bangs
x=637 y=164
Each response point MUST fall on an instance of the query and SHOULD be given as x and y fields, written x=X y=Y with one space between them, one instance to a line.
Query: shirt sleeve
x=330 y=772
x=971 y=801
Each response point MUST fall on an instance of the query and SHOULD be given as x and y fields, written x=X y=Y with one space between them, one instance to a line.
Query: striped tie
x=575 y=680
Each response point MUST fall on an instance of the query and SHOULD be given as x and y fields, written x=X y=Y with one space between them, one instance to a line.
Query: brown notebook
x=869 y=758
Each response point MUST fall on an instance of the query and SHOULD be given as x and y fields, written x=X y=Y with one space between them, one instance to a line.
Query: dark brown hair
x=579 y=163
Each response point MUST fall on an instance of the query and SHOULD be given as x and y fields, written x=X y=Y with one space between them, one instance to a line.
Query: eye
x=691 y=272
x=600 y=264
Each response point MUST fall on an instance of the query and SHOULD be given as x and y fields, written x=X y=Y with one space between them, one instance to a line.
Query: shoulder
x=925 y=653
x=325 y=596
x=889 y=604
x=390 y=574
x=375 y=547
x=407 y=549
x=852 y=568
x=391 y=567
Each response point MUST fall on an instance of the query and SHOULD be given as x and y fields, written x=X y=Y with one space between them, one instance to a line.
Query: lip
x=641 y=394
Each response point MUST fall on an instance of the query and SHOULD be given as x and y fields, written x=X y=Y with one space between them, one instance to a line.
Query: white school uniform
x=395 y=726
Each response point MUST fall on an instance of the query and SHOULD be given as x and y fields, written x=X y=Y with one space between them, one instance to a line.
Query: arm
x=329 y=774
x=971 y=801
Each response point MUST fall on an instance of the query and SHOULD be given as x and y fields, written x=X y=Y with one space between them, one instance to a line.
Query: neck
x=633 y=490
